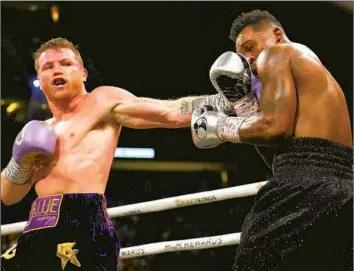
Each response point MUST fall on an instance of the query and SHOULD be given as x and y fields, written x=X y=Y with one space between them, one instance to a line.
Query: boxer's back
x=322 y=109
x=84 y=152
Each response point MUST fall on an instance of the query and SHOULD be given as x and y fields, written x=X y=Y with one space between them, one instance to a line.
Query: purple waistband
x=84 y=208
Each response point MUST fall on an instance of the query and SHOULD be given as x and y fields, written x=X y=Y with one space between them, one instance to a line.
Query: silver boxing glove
x=204 y=127
x=232 y=77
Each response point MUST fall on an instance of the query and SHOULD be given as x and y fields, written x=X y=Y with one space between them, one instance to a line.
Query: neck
x=63 y=108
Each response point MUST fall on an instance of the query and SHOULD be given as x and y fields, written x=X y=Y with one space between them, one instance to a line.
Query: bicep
x=140 y=112
x=129 y=110
x=278 y=100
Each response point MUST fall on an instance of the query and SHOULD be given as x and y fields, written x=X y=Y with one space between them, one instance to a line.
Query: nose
x=57 y=69
x=57 y=73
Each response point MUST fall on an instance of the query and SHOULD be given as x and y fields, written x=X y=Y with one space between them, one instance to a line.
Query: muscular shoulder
x=273 y=58
x=111 y=96
x=111 y=92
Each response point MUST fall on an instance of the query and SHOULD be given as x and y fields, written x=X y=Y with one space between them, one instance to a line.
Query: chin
x=59 y=95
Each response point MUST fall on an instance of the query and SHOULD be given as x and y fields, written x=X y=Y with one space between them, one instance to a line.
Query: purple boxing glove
x=35 y=138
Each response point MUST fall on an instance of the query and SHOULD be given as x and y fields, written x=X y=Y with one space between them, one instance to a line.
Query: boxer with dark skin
x=292 y=103
x=303 y=116
x=289 y=61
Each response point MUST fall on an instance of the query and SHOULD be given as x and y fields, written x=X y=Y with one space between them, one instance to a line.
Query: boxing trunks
x=66 y=232
x=302 y=218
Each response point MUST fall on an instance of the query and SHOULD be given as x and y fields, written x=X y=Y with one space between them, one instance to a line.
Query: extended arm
x=145 y=113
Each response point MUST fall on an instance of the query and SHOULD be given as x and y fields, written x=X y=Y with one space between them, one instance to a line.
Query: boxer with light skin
x=71 y=154
x=81 y=119
x=302 y=113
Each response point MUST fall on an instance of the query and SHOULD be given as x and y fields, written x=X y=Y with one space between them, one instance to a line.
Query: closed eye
x=250 y=47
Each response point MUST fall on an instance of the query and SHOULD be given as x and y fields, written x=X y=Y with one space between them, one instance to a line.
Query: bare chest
x=85 y=131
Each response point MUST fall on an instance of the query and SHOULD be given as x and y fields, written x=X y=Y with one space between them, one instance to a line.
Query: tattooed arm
x=277 y=103
x=145 y=113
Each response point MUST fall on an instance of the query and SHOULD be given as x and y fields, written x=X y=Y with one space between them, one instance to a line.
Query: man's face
x=60 y=74
x=251 y=42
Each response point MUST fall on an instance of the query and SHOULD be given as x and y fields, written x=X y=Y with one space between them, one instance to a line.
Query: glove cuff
x=228 y=128
x=247 y=106
x=16 y=173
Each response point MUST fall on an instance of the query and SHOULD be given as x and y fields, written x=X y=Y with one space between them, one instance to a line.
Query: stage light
x=146 y=153
x=54 y=10
x=36 y=83
x=12 y=107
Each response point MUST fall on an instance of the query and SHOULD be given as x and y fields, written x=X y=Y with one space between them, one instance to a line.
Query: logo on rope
x=260 y=185
x=133 y=252
x=133 y=212
x=180 y=202
x=208 y=242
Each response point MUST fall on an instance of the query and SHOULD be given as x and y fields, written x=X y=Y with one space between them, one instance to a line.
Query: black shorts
x=66 y=232
x=302 y=218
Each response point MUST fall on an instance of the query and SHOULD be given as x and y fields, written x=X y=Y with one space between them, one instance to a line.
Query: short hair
x=253 y=18
x=56 y=44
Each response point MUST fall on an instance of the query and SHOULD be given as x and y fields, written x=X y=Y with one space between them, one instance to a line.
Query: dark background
x=161 y=50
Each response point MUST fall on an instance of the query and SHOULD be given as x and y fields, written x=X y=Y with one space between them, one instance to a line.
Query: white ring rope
x=181 y=245
x=165 y=204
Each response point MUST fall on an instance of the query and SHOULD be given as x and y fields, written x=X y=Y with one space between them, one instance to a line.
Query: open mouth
x=59 y=82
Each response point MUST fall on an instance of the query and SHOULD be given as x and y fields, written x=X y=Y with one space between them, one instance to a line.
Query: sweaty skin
x=88 y=127
x=299 y=97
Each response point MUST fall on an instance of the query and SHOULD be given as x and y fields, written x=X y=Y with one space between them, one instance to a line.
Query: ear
x=40 y=83
x=279 y=34
x=84 y=74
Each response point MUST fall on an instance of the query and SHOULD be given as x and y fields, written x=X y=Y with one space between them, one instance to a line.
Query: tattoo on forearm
x=184 y=107
x=151 y=101
x=228 y=128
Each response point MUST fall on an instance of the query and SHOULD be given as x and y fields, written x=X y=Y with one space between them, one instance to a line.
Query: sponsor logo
x=133 y=252
x=44 y=213
x=66 y=253
x=133 y=212
x=20 y=136
x=207 y=242
x=180 y=202
x=259 y=186
x=10 y=253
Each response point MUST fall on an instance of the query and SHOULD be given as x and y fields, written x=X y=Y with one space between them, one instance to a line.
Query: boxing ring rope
x=167 y=204
x=181 y=245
